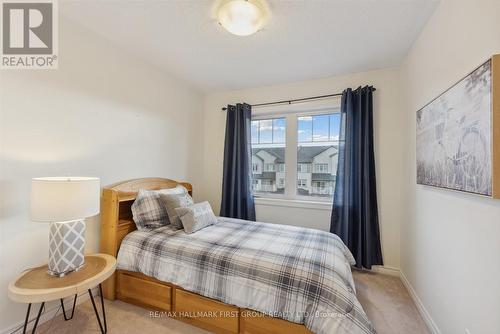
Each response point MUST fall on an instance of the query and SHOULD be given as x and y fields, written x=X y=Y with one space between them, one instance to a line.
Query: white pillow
x=173 y=201
x=178 y=190
x=196 y=217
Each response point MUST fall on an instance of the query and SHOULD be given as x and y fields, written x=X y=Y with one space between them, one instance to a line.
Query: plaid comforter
x=297 y=274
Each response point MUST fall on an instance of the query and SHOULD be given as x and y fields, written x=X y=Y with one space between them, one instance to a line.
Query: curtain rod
x=294 y=100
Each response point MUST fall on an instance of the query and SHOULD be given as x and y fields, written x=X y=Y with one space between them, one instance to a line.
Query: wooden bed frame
x=139 y=289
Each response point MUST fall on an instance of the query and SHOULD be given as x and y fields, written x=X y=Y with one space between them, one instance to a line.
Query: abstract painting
x=454 y=136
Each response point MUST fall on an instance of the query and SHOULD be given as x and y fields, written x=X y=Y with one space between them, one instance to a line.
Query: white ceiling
x=303 y=39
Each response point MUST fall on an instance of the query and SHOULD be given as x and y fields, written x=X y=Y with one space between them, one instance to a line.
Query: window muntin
x=268 y=154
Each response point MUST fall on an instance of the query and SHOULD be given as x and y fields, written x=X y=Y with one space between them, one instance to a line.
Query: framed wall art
x=458 y=134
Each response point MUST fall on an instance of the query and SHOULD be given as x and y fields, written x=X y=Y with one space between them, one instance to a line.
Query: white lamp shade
x=60 y=199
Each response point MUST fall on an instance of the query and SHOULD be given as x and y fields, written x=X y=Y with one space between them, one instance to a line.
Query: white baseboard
x=392 y=271
x=47 y=314
x=431 y=325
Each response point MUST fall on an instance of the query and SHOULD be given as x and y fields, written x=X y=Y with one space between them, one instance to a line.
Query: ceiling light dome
x=242 y=17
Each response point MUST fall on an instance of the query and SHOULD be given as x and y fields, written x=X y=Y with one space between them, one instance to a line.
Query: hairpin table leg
x=26 y=321
x=105 y=329
x=72 y=311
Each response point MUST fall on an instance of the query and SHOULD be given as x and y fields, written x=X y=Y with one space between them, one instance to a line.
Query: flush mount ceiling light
x=242 y=17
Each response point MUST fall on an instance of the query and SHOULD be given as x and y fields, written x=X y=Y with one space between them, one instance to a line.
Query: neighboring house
x=316 y=170
x=268 y=169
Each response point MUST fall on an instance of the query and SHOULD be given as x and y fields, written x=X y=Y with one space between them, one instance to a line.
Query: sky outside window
x=318 y=128
x=334 y=126
x=321 y=128
x=268 y=131
x=279 y=130
x=305 y=129
x=255 y=132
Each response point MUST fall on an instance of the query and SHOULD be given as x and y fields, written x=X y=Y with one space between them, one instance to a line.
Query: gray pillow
x=173 y=201
x=148 y=211
x=196 y=216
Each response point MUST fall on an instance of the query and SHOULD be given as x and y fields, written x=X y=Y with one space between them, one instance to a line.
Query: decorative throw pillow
x=148 y=211
x=173 y=201
x=196 y=216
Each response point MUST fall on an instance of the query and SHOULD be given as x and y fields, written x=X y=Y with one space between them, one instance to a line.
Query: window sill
x=294 y=203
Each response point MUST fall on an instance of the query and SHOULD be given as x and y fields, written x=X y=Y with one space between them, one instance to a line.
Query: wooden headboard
x=116 y=215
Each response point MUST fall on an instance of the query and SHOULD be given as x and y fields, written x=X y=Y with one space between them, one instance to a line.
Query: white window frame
x=291 y=114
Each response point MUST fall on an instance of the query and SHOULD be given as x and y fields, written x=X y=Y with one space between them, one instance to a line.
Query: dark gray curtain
x=355 y=214
x=237 y=198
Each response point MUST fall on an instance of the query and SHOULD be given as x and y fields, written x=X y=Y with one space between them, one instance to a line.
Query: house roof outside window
x=305 y=154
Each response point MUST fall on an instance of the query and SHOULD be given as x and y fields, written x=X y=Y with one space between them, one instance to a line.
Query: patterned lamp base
x=66 y=247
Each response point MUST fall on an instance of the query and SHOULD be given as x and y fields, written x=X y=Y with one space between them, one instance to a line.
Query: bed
x=232 y=277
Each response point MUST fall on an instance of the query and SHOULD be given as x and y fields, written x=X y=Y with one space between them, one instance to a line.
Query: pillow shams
x=196 y=217
x=171 y=202
x=148 y=211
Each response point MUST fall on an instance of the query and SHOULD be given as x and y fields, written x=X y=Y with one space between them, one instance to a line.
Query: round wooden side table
x=38 y=286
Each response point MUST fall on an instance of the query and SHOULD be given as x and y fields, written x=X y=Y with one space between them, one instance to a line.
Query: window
x=268 y=148
x=321 y=168
x=322 y=187
x=310 y=174
x=267 y=186
x=304 y=168
x=269 y=167
x=281 y=182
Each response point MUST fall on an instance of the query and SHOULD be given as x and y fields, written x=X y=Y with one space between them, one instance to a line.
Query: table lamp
x=65 y=202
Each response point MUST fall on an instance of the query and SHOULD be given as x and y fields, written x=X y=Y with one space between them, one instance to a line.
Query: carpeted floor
x=384 y=298
x=388 y=304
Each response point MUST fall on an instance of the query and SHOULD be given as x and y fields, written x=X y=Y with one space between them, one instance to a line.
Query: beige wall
x=102 y=114
x=388 y=146
x=450 y=241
